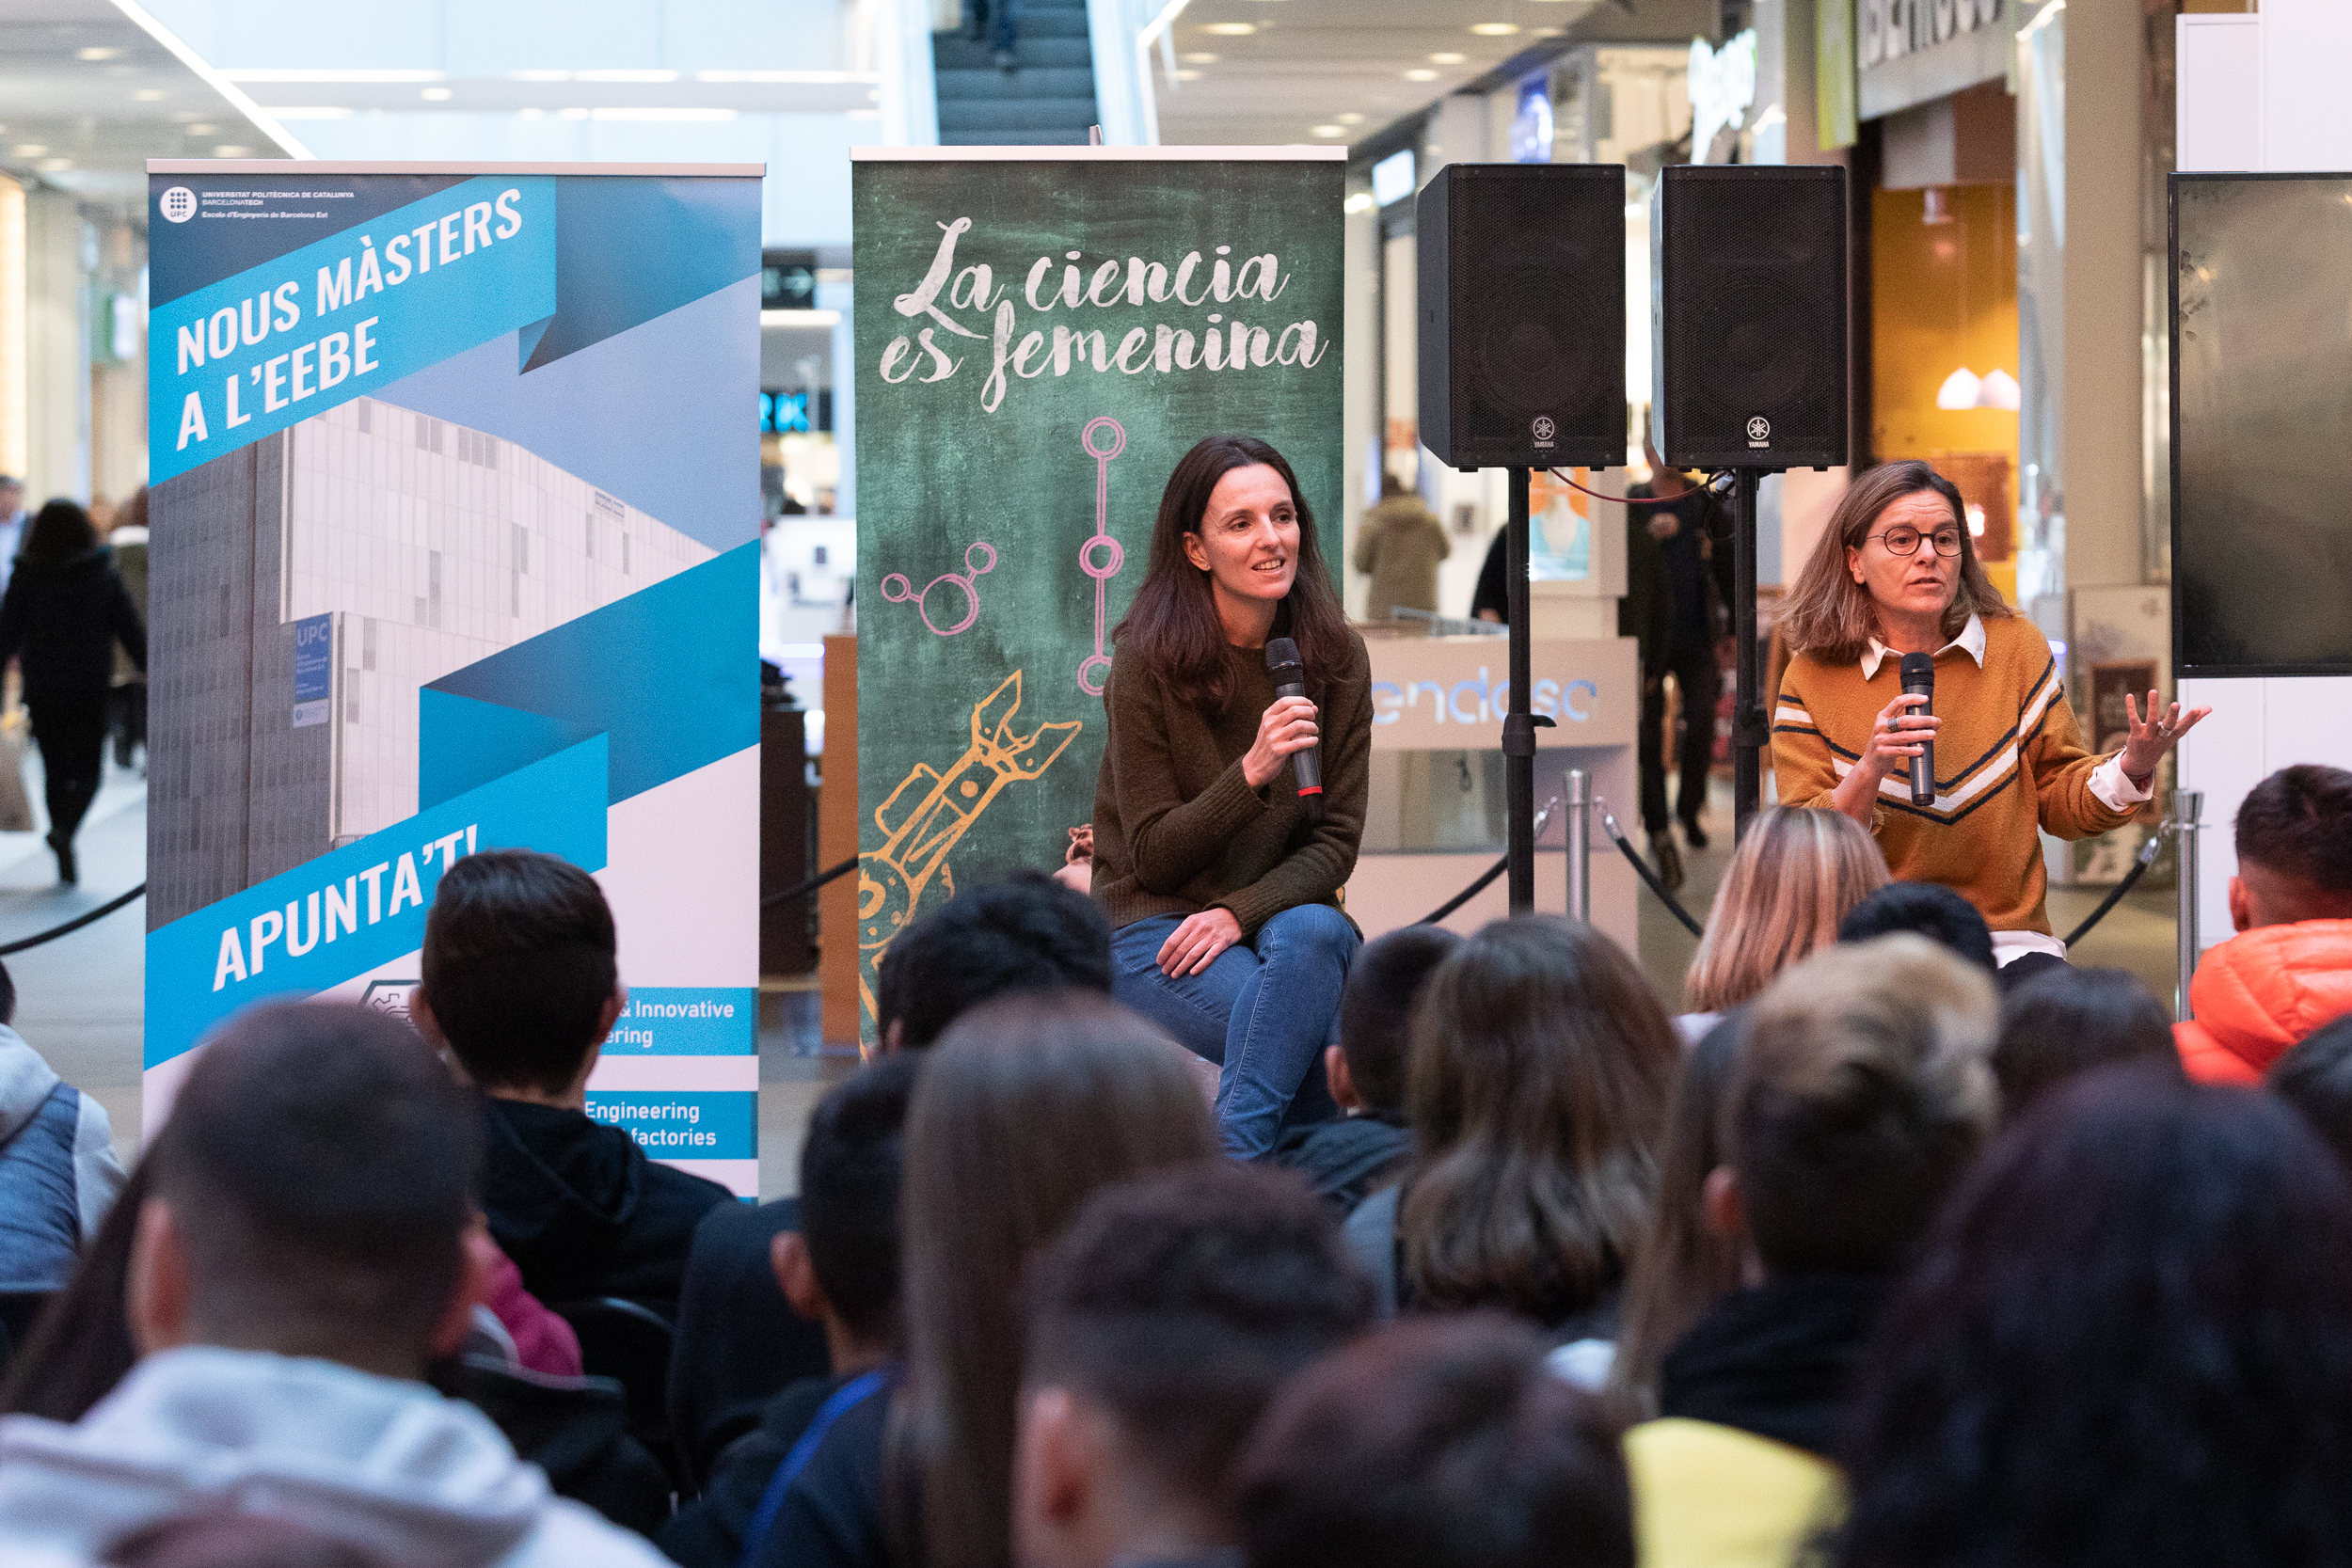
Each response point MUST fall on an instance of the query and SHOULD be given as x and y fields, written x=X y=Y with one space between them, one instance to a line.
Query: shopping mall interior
x=2006 y=168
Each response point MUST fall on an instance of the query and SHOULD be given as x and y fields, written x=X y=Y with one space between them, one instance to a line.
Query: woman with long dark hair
x=64 y=612
x=1220 y=879
x=2124 y=1344
x=1028 y=1106
x=1537 y=1085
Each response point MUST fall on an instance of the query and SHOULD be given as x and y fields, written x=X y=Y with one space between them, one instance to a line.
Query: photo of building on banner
x=455 y=553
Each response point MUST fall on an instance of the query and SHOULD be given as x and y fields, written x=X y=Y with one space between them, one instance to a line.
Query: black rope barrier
x=76 y=923
x=1616 y=836
x=2146 y=858
x=804 y=889
x=1484 y=883
x=1486 y=878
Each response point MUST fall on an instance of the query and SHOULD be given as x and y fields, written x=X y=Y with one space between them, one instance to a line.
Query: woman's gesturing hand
x=1287 y=726
x=1194 y=945
x=2153 y=736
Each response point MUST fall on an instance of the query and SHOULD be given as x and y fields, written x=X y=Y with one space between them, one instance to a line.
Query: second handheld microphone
x=1920 y=680
x=1290 y=680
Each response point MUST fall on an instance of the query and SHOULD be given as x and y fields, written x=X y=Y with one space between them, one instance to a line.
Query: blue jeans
x=1263 y=1011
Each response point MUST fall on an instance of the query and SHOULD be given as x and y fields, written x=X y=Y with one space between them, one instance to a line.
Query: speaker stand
x=1519 y=723
x=1749 y=730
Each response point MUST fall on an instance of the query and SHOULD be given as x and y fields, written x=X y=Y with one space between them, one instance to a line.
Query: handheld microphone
x=1290 y=680
x=1920 y=680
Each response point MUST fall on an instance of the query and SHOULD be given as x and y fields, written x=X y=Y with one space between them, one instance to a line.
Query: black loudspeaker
x=1748 y=316
x=1522 y=315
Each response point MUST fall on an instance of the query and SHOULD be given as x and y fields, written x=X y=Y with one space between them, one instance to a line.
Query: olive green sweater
x=1177 y=830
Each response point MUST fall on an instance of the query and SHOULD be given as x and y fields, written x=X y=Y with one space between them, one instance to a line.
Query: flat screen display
x=2261 y=424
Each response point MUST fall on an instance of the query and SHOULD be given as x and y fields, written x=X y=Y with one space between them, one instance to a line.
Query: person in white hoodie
x=300 y=1257
x=58 y=1175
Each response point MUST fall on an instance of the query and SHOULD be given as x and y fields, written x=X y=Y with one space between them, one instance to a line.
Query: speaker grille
x=1751 y=316
x=1522 y=310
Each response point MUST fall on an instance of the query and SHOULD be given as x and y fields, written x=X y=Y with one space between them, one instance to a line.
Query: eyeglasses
x=1905 y=541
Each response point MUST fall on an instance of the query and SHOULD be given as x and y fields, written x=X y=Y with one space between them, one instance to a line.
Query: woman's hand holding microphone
x=1287 y=726
x=1897 y=736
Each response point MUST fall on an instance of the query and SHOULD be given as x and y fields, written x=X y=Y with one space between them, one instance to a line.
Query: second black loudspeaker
x=1748 y=313
x=1522 y=314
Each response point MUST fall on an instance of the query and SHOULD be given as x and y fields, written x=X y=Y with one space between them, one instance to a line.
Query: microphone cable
x=1715 y=484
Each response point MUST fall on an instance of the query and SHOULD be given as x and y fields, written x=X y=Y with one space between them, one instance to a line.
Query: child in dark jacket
x=1347 y=1159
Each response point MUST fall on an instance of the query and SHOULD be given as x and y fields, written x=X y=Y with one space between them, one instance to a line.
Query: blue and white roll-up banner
x=454 y=547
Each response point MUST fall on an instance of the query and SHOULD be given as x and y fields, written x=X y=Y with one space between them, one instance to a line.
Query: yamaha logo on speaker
x=1759 y=432
x=1542 y=429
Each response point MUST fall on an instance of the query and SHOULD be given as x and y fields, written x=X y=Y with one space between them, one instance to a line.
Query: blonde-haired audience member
x=1790 y=881
x=1859 y=1092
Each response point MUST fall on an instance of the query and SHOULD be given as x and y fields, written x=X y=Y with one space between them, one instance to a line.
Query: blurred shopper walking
x=12 y=523
x=1399 y=545
x=127 y=538
x=996 y=23
x=64 y=612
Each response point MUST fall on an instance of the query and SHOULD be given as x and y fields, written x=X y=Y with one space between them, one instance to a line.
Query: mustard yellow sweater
x=2009 y=759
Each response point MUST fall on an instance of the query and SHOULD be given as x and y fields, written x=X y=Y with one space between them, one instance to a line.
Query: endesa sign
x=1449 y=693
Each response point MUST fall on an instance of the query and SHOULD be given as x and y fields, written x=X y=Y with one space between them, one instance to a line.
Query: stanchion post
x=2187 y=806
x=1519 y=723
x=1580 y=848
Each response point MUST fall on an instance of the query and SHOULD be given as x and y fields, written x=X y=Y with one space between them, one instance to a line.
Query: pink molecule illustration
x=897 y=589
x=1101 y=557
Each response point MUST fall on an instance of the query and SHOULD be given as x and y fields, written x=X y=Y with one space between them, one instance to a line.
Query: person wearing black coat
x=64 y=612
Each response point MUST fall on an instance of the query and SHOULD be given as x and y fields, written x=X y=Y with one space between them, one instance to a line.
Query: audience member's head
x=1160 y=1325
x=1367 y=1066
x=840 y=1267
x=1540 y=1069
x=519 y=978
x=2123 y=1344
x=1436 y=1443
x=1684 y=1264
x=1029 y=1105
x=2067 y=1020
x=2293 y=848
x=1024 y=932
x=1790 y=881
x=80 y=1346
x=310 y=1195
x=1862 y=1089
x=1930 y=910
x=2315 y=1077
x=8 y=997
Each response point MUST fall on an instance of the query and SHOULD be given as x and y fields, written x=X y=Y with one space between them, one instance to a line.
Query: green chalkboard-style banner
x=1041 y=334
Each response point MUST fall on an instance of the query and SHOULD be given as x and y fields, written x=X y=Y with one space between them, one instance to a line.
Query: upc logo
x=179 y=204
x=1542 y=429
x=1759 y=432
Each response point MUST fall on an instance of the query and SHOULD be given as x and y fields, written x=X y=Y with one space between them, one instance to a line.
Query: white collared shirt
x=2108 y=782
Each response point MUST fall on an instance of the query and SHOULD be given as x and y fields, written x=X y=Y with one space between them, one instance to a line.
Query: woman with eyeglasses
x=1896 y=573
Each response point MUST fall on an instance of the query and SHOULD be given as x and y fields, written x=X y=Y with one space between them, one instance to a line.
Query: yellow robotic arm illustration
x=930 y=811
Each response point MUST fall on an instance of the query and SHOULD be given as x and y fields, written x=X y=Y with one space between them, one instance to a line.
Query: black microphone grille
x=1280 y=651
x=1918 y=670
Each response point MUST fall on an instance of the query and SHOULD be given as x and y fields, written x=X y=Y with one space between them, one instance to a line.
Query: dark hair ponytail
x=1172 y=626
